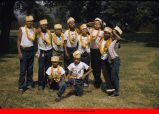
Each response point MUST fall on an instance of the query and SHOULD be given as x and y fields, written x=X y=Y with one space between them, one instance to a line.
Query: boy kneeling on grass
x=75 y=76
x=56 y=73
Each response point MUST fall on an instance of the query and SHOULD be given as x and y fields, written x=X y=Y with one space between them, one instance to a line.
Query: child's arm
x=63 y=77
x=89 y=71
x=116 y=35
x=90 y=24
x=69 y=74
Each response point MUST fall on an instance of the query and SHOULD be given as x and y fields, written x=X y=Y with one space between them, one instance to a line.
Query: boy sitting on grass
x=75 y=76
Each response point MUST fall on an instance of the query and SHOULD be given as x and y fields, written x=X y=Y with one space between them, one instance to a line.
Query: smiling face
x=58 y=32
x=97 y=25
x=43 y=27
x=76 y=60
x=71 y=24
x=29 y=24
x=55 y=64
x=84 y=31
x=107 y=35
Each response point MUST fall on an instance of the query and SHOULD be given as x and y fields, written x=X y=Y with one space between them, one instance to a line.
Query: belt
x=117 y=58
x=45 y=51
x=27 y=48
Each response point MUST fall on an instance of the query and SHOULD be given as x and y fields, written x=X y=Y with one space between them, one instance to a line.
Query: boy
x=104 y=45
x=45 y=48
x=58 y=42
x=25 y=47
x=96 y=35
x=115 y=62
x=76 y=74
x=84 y=48
x=56 y=73
x=70 y=42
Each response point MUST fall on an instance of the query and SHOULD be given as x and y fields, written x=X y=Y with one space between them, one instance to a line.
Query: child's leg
x=114 y=75
x=79 y=88
x=63 y=86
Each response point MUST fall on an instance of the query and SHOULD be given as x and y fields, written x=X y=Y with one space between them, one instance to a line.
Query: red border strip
x=91 y=111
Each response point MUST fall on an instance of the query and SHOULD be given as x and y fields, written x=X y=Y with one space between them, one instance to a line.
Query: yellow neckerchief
x=54 y=38
x=72 y=42
x=48 y=42
x=93 y=38
x=58 y=71
x=84 y=45
x=26 y=30
x=106 y=45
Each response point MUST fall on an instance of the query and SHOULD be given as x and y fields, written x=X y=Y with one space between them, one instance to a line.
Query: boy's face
x=58 y=31
x=97 y=25
x=71 y=24
x=76 y=60
x=55 y=64
x=29 y=24
x=43 y=27
x=84 y=31
x=107 y=35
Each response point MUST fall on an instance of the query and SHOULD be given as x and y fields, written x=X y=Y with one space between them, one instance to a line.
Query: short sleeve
x=85 y=66
x=70 y=67
x=48 y=72
x=62 y=71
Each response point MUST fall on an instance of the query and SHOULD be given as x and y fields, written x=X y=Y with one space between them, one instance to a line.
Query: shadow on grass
x=150 y=39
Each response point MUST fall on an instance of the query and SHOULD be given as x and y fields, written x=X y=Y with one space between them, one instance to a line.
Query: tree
x=6 y=12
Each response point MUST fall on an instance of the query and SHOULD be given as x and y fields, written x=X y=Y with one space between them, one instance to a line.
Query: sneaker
x=40 y=88
x=51 y=90
x=85 y=85
x=114 y=95
x=57 y=99
x=30 y=88
x=110 y=90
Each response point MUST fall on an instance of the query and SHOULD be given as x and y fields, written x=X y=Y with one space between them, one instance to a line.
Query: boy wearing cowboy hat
x=115 y=61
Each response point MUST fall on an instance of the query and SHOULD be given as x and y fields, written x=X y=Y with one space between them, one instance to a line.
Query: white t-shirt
x=94 y=44
x=104 y=56
x=25 y=42
x=72 y=34
x=59 y=40
x=82 y=49
x=78 y=70
x=42 y=44
x=62 y=72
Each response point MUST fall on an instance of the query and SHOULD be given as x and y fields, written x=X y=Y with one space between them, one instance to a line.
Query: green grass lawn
x=139 y=80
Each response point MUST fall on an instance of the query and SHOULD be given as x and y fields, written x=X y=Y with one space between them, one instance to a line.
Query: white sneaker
x=110 y=90
x=85 y=85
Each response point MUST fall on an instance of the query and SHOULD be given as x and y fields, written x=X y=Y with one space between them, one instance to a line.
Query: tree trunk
x=7 y=8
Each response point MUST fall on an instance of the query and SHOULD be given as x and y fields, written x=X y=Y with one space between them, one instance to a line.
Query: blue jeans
x=44 y=64
x=68 y=62
x=85 y=57
x=114 y=74
x=78 y=87
x=106 y=70
x=26 y=65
